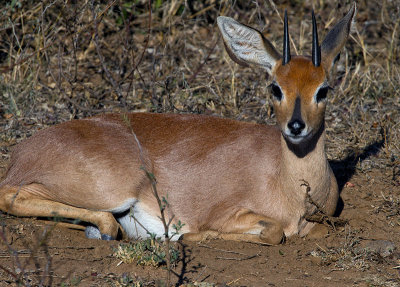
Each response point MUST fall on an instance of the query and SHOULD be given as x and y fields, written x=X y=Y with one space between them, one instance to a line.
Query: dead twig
x=210 y=51
x=273 y=5
x=319 y=216
x=247 y=257
x=100 y=54
x=222 y=250
x=238 y=259
x=162 y=203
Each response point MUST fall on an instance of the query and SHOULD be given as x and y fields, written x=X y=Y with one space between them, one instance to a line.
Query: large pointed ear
x=246 y=45
x=336 y=38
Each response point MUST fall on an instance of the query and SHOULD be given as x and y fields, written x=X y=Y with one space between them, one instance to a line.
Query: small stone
x=383 y=247
x=318 y=231
x=316 y=260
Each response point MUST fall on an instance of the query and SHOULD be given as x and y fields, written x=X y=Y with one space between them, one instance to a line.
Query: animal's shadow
x=345 y=169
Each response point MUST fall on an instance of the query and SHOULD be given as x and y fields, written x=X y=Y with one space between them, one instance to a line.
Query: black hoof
x=92 y=232
x=107 y=237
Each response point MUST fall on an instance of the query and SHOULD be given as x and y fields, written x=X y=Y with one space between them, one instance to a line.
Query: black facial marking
x=322 y=93
x=296 y=124
x=297 y=111
x=276 y=91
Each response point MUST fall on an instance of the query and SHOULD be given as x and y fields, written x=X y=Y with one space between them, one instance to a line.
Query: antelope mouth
x=297 y=139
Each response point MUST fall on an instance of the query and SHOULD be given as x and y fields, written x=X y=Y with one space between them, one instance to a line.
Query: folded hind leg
x=22 y=201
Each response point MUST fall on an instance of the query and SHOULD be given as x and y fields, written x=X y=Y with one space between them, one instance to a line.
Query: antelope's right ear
x=246 y=45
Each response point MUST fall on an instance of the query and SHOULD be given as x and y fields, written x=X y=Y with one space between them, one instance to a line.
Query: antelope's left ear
x=336 y=38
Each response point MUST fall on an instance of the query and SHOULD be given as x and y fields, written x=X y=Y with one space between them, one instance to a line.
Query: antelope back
x=299 y=84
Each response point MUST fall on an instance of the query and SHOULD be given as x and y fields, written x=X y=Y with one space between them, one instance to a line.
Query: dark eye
x=321 y=95
x=276 y=91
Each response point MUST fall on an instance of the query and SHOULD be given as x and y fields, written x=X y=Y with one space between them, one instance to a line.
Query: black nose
x=296 y=127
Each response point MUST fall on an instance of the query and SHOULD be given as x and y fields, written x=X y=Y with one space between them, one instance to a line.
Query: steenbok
x=222 y=178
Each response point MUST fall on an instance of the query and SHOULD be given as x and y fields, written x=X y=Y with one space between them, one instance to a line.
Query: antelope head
x=299 y=83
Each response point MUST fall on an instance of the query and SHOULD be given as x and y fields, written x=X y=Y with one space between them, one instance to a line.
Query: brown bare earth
x=347 y=257
x=60 y=61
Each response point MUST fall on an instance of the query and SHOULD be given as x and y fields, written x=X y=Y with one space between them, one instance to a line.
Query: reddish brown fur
x=94 y=164
x=300 y=78
x=222 y=178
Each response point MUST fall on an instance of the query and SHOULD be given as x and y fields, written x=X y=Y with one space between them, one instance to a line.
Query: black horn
x=286 y=43
x=316 y=49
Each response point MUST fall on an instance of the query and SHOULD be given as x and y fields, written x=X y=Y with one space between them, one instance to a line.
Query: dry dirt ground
x=61 y=60
x=355 y=254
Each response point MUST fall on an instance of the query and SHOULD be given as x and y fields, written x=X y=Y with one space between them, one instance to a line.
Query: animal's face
x=299 y=91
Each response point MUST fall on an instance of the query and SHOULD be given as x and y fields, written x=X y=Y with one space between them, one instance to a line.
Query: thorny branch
x=20 y=274
x=162 y=203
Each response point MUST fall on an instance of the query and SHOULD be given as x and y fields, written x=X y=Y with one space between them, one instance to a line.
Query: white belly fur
x=139 y=223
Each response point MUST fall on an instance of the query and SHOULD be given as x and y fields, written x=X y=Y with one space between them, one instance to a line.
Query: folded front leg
x=244 y=225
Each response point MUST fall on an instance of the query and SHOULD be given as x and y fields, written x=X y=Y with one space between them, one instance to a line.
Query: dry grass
x=149 y=252
x=349 y=254
x=61 y=61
